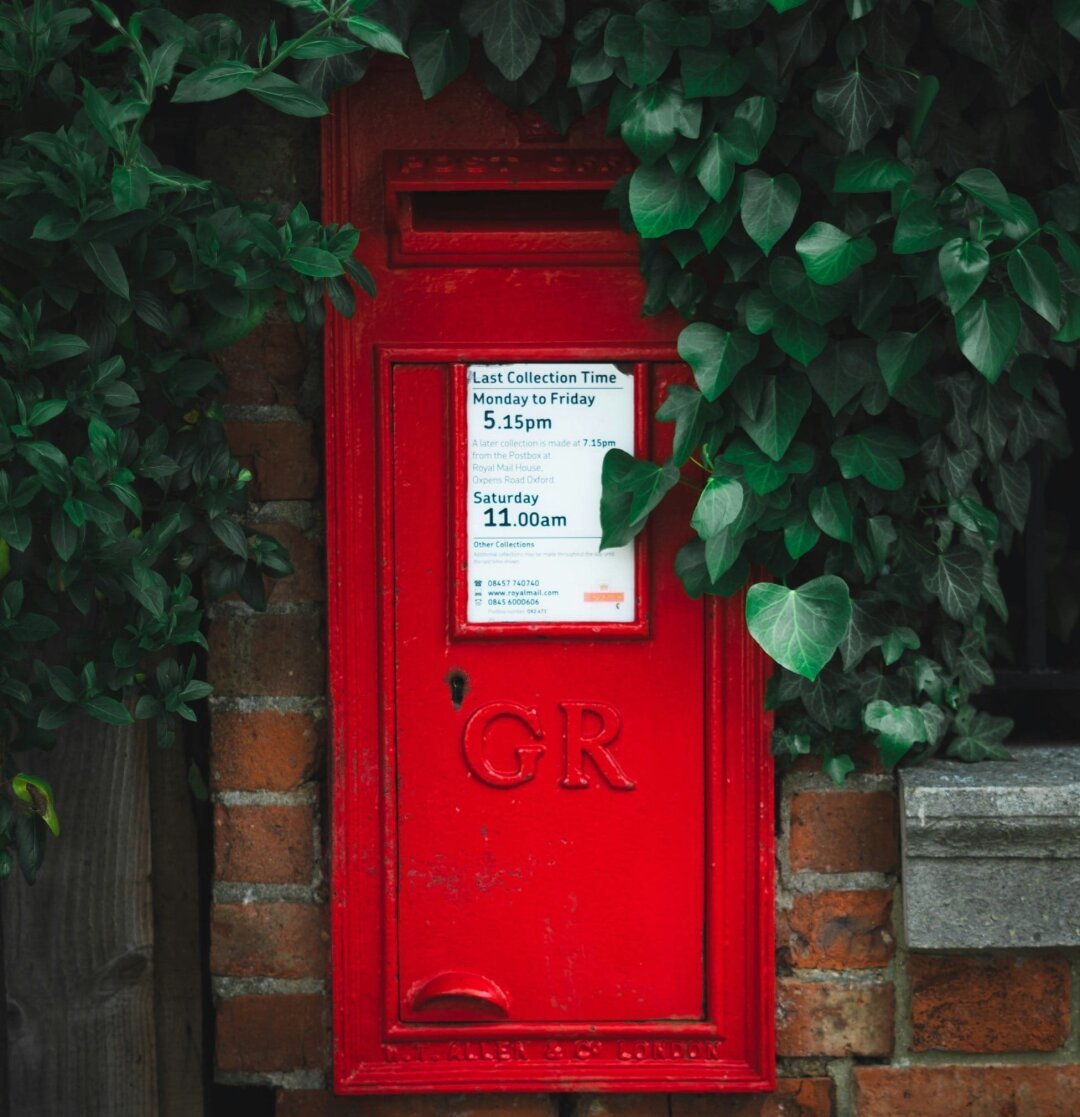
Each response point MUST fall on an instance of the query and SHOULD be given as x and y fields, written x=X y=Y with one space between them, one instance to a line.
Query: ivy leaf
x=686 y=407
x=1035 y=279
x=988 y=330
x=918 y=228
x=631 y=489
x=512 y=30
x=1010 y=486
x=981 y=738
x=655 y=117
x=439 y=55
x=768 y=207
x=715 y=355
x=900 y=356
x=785 y=399
x=715 y=167
x=870 y=174
x=718 y=507
x=925 y=95
x=38 y=793
x=645 y=53
x=761 y=473
x=800 y=535
x=802 y=628
x=786 y=5
x=662 y=202
x=829 y=254
x=792 y=285
x=831 y=512
x=856 y=106
x=711 y=73
x=963 y=265
x=842 y=372
x=874 y=454
x=956 y=581
x=898 y=729
x=1067 y=13
x=799 y=337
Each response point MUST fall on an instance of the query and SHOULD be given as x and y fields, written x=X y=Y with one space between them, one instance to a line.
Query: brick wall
x=864 y=1030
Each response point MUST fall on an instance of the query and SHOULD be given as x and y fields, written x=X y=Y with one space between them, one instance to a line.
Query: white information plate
x=537 y=436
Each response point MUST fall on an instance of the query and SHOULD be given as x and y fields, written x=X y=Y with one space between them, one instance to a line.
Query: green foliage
x=120 y=502
x=888 y=283
x=866 y=210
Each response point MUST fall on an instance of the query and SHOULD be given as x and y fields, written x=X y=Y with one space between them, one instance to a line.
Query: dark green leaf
x=107 y=710
x=715 y=355
x=799 y=337
x=662 y=202
x=800 y=535
x=379 y=36
x=439 y=55
x=956 y=581
x=842 y=372
x=830 y=255
x=768 y=207
x=287 y=96
x=715 y=167
x=686 y=407
x=631 y=490
x=900 y=356
x=1035 y=279
x=512 y=29
x=104 y=262
x=925 y=94
x=988 y=330
x=831 y=512
x=963 y=265
x=214 y=81
x=802 y=628
x=857 y=106
x=918 y=228
x=711 y=73
x=717 y=508
x=785 y=400
x=874 y=454
x=869 y=174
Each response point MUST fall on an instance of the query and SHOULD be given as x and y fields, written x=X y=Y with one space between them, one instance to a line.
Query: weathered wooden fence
x=101 y=955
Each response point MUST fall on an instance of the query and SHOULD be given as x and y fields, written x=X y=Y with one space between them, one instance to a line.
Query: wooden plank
x=78 y=945
x=178 y=970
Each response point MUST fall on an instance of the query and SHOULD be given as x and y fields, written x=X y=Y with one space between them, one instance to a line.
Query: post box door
x=550 y=790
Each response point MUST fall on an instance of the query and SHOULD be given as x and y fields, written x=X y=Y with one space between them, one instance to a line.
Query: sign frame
x=460 y=625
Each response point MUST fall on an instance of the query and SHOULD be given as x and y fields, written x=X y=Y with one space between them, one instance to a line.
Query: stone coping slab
x=991 y=852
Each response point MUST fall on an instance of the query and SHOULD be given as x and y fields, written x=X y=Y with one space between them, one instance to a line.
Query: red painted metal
x=552 y=843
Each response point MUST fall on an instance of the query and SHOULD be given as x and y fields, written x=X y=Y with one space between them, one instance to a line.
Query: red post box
x=552 y=837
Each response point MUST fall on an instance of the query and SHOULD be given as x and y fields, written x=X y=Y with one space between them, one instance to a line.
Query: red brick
x=272 y=654
x=316 y=1103
x=837 y=930
x=307 y=581
x=263 y=844
x=268 y=940
x=264 y=750
x=988 y=1004
x=967 y=1091
x=844 y=832
x=271 y=1033
x=793 y=1097
x=281 y=455
x=827 y=1018
x=266 y=367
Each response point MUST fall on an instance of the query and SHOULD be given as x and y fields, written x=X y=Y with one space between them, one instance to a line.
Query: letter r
x=596 y=747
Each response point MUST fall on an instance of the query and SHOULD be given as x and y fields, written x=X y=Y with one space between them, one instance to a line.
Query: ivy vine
x=865 y=210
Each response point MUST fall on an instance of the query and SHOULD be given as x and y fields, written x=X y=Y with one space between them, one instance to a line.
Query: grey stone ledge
x=991 y=852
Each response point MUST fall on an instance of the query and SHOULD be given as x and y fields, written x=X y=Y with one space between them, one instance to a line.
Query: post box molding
x=450 y=739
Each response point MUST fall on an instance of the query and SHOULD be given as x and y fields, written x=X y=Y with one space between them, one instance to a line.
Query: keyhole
x=458 y=682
